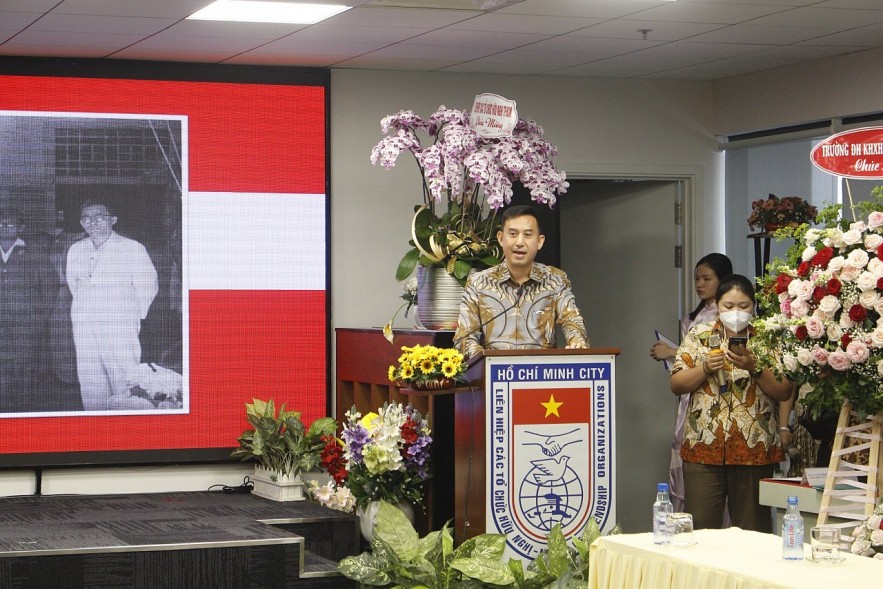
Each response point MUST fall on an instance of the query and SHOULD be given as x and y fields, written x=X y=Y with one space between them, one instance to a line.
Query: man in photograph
x=27 y=285
x=113 y=283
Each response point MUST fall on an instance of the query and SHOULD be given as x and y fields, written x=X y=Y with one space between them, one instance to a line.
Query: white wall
x=839 y=86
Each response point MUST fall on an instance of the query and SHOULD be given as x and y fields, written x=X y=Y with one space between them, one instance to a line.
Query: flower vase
x=368 y=513
x=438 y=296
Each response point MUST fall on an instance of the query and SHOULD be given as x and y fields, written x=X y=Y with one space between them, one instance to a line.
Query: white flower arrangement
x=867 y=539
x=331 y=496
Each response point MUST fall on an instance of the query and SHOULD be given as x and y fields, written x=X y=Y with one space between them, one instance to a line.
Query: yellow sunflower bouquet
x=428 y=367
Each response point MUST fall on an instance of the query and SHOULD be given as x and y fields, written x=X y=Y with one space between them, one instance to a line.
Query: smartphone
x=737 y=341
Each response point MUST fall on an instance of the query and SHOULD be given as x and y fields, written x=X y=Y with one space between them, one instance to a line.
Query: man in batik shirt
x=516 y=305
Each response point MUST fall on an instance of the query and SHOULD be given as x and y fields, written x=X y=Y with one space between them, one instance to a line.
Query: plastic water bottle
x=792 y=531
x=662 y=508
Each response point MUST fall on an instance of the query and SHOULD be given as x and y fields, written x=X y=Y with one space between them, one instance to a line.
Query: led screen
x=163 y=238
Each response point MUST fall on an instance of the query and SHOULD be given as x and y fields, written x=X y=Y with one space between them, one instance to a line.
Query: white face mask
x=735 y=321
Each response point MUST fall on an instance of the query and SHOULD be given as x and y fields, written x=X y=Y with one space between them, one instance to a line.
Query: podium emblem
x=550 y=450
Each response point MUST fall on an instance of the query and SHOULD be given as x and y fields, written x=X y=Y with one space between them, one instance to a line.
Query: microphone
x=714 y=342
x=518 y=294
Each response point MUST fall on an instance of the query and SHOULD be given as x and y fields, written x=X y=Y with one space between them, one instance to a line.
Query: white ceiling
x=686 y=39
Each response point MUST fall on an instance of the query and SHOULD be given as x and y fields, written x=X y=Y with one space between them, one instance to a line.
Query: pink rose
x=875 y=220
x=815 y=328
x=838 y=360
x=857 y=352
x=820 y=355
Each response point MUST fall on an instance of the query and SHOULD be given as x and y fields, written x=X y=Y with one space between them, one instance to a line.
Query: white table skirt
x=720 y=559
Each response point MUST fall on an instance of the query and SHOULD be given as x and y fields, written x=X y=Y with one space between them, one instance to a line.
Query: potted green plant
x=283 y=448
x=399 y=558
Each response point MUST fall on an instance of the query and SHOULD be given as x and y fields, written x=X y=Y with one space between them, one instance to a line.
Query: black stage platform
x=172 y=540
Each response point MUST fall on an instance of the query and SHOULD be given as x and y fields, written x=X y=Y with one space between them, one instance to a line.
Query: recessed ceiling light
x=275 y=12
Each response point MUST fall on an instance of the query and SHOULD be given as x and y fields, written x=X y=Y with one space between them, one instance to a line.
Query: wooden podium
x=534 y=445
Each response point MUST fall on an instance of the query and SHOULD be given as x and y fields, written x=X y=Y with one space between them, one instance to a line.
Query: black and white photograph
x=91 y=282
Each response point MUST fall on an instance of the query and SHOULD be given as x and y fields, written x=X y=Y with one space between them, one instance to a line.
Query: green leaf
x=407 y=265
x=558 y=552
x=391 y=526
x=486 y=570
x=366 y=569
x=489 y=545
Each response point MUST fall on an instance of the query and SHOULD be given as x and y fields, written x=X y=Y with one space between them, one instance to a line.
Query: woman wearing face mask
x=731 y=437
x=709 y=271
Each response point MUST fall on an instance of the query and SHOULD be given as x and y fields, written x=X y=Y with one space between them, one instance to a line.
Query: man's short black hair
x=520 y=211
x=97 y=203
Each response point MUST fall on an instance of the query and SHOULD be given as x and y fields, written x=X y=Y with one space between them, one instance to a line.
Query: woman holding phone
x=731 y=437
x=707 y=274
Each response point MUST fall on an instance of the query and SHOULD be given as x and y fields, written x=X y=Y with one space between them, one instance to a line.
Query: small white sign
x=493 y=116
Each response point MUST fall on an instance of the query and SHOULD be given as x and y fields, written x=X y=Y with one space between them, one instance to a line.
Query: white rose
x=836 y=263
x=804 y=357
x=857 y=352
x=834 y=332
x=858 y=258
x=875 y=220
x=873 y=241
x=799 y=308
x=808 y=253
x=845 y=321
x=849 y=272
x=866 y=281
x=829 y=305
x=869 y=299
x=852 y=237
x=877 y=337
x=875 y=265
x=877 y=537
x=801 y=289
x=811 y=236
x=789 y=362
x=858 y=226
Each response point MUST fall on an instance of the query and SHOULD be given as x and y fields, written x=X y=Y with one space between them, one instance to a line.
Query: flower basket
x=773 y=213
x=428 y=368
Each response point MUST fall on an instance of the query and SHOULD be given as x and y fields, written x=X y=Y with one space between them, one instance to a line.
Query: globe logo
x=551 y=493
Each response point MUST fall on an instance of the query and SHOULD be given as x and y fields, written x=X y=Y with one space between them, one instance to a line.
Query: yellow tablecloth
x=720 y=559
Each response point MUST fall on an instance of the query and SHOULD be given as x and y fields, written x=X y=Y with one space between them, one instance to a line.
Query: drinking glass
x=825 y=544
x=681 y=526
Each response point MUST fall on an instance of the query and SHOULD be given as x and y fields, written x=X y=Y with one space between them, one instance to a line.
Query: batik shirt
x=736 y=425
x=494 y=317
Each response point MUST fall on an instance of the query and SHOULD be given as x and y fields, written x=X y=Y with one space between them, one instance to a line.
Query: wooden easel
x=857 y=499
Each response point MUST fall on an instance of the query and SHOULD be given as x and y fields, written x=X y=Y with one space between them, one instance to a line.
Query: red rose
x=858 y=313
x=803 y=269
x=880 y=251
x=833 y=287
x=880 y=284
x=845 y=339
x=818 y=294
x=782 y=282
x=801 y=332
x=409 y=431
x=822 y=257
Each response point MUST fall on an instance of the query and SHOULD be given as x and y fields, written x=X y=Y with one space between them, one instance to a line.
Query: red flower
x=801 y=332
x=409 y=431
x=880 y=284
x=333 y=461
x=803 y=269
x=833 y=287
x=858 y=313
x=818 y=294
x=845 y=339
x=782 y=282
x=822 y=258
x=880 y=251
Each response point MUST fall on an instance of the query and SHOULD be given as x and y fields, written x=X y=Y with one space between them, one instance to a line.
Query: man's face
x=97 y=222
x=9 y=228
x=521 y=240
